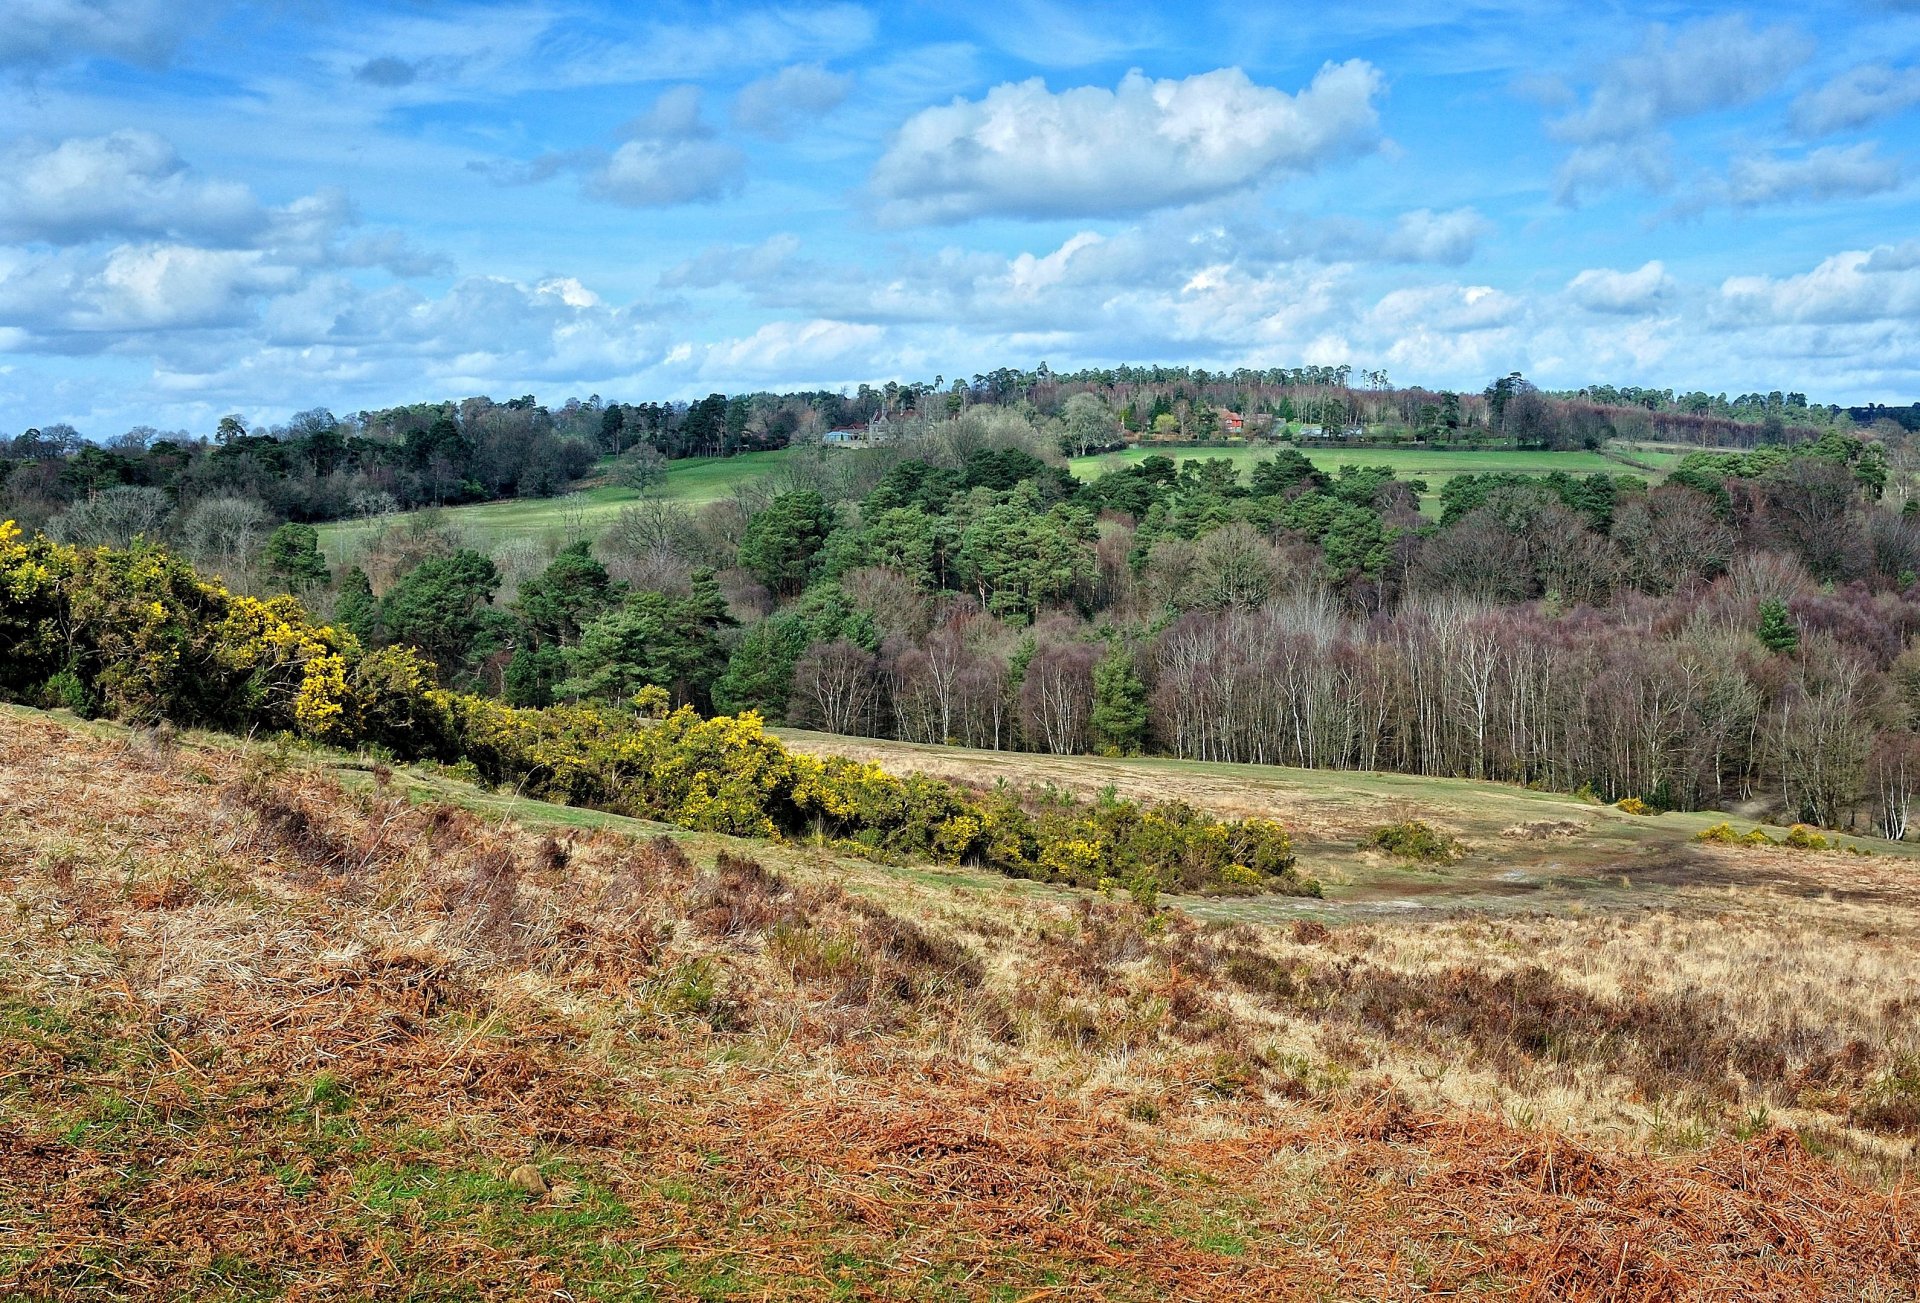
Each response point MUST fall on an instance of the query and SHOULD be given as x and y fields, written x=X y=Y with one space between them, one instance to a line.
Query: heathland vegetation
x=291 y=1022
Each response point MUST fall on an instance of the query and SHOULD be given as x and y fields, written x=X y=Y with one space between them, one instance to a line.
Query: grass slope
x=693 y=481
x=267 y=1035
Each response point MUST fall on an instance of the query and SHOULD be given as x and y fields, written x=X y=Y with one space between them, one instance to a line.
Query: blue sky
x=218 y=208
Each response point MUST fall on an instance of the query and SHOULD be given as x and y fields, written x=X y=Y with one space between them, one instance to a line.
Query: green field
x=692 y=481
x=1435 y=466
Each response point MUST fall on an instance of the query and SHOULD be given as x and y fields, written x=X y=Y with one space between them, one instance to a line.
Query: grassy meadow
x=585 y=513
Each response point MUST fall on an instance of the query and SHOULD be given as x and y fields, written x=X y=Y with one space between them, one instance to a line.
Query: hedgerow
x=137 y=635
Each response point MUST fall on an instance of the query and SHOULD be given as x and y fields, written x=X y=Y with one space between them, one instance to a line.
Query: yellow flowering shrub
x=138 y=634
x=32 y=571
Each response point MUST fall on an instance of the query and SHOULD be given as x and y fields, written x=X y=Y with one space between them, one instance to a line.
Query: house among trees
x=871 y=435
x=1232 y=423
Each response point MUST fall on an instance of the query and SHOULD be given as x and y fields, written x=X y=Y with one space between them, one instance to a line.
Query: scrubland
x=269 y=1033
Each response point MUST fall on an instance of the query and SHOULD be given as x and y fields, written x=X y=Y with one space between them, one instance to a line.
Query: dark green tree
x=1119 y=703
x=440 y=606
x=650 y=638
x=358 y=611
x=530 y=675
x=780 y=542
x=556 y=604
x=1777 y=630
x=292 y=555
x=759 y=673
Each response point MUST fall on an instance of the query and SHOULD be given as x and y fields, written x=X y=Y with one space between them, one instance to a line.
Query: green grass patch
x=692 y=481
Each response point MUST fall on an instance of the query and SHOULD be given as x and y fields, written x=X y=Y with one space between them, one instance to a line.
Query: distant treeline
x=318 y=466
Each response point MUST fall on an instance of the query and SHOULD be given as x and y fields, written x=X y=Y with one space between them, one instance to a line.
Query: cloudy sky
x=261 y=208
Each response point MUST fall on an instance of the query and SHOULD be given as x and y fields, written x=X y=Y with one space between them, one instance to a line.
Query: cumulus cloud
x=1592 y=169
x=47 y=33
x=133 y=186
x=1716 y=63
x=1446 y=307
x=1859 y=285
x=1601 y=289
x=129 y=183
x=1088 y=276
x=1860 y=95
x=71 y=301
x=1025 y=151
x=786 y=102
x=733 y=264
x=1426 y=236
x=670 y=157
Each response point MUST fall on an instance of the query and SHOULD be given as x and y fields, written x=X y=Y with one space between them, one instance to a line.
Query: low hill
x=287 y=1023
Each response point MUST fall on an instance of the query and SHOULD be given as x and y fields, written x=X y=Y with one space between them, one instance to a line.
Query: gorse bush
x=138 y=635
x=1415 y=839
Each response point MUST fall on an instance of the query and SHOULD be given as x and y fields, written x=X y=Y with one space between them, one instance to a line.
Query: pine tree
x=293 y=556
x=357 y=611
x=1119 y=704
x=1777 y=630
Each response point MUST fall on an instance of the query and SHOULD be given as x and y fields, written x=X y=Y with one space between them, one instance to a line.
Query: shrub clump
x=1415 y=839
x=1803 y=838
x=1800 y=837
x=1634 y=805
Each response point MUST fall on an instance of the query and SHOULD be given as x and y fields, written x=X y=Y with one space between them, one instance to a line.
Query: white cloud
x=1881 y=284
x=1860 y=95
x=1602 y=289
x=1426 y=236
x=786 y=351
x=1024 y=151
x=1827 y=173
x=729 y=264
x=658 y=174
x=1455 y=308
x=670 y=157
x=129 y=183
x=133 y=186
x=73 y=301
x=1591 y=169
x=780 y=105
x=1054 y=35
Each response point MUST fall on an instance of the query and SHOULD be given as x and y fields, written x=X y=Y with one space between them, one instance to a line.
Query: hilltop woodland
x=1742 y=632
